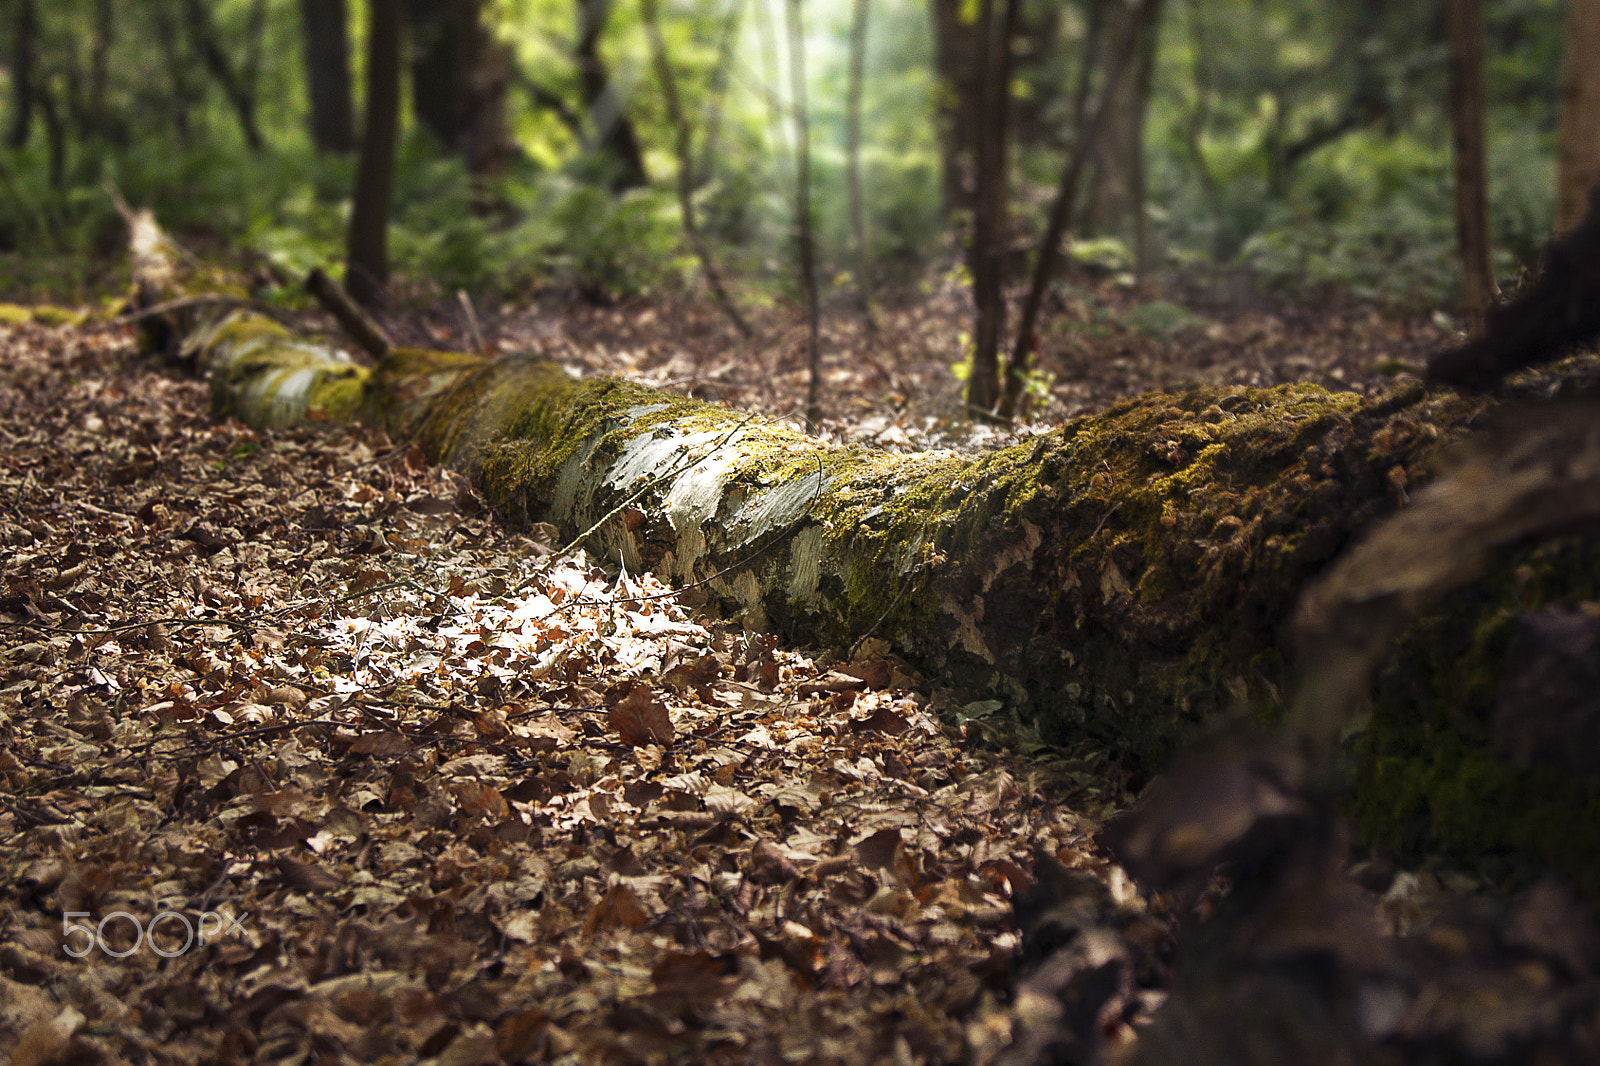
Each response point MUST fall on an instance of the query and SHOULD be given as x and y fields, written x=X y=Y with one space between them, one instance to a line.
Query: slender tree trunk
x=958 y=88
x=717 y=92
x=55 y=135
x=1467 y=122
x=1148 y=19
x=24 y=46
x=852 y=151
x=686 y=178
x=460 y=75
x=1579 y=156
x=184 y=93
x=239 y=91
x=614 y=135
x=1048 y=257
x=1114 y=185
x=805 y=235
x=325 y=28
x=367 y=249
x=988 y=251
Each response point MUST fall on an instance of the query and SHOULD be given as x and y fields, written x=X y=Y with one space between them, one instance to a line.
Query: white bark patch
x=805 y=564
x=780 y=507
x=564 y=498
x=694 y=493
x=279 y=398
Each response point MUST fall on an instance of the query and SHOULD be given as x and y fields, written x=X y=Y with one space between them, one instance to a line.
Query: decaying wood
x=1118 y=577
x=357 y=323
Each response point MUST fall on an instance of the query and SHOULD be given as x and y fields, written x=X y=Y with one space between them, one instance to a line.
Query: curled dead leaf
x=639 y=718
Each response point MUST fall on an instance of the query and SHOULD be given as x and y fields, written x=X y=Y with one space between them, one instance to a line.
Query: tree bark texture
x=996 y=21
x=367 y=246
x=1578 y=156
x=1116 y=176
x=460 y=75
x=1467 y=118
x=325 y=29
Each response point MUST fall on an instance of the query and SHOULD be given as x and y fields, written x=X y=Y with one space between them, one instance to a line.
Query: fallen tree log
x=1119 y=578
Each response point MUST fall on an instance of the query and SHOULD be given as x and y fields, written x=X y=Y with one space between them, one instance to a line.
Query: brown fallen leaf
x=619 y=908
x=381 y=744
x=303 y=877
x=639 y=718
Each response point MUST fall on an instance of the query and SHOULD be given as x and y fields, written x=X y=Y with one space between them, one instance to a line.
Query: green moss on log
x=267 y=376
x=1429 y=775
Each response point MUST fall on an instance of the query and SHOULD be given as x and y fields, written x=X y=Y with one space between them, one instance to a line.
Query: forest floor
x=303 y=757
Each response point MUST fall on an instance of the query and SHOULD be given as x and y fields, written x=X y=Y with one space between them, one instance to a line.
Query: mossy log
x=1118 y=578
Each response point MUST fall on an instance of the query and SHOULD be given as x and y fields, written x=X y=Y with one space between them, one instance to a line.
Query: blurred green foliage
x=1307 y=144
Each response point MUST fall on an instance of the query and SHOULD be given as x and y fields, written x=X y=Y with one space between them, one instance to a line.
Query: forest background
x=549 y=149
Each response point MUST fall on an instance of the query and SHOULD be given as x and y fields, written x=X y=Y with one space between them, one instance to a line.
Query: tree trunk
x=1579 y=155
x=1113 y=582
x=613 y=132
x=236 y=86
x=367 y=246
x=325 y=28
x=852 y=154
x=1471 y=164
x=805 y=232
x=460 y=75
x=1116 y=178
x=684 y=144
x=1048 y=257
x=24 y=49
x=1120 y=577
x=956 y=88
x=991 y=177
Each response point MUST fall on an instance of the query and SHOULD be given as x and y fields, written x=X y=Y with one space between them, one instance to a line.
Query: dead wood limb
x=357 y=324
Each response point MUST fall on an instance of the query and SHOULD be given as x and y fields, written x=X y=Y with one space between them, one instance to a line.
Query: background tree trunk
x=852 y=166
x=367 y=247
x=1048 y=257
x=237 y=83
x=996 y=20
x=1467 y=107
x=805 y=232
x=1116 y=176
x=684 y=143
x=613 y=132
x=460 y=75
x=325 y=28
x=24 y=52
x=1579 y=152
x=956 y=91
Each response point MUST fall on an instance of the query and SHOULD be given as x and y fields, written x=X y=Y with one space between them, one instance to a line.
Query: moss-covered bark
x=1122 y=576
